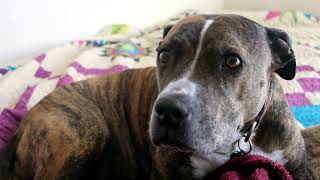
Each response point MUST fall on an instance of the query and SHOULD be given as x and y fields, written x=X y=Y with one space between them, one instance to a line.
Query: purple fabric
x=304 y=68
x=40 y=58
x=310 y=84
x=9 y=121
x=10 y=118
x=297 y=99
x=3 y=71
x=42 y=73
x=95 y=71
x=65 y=80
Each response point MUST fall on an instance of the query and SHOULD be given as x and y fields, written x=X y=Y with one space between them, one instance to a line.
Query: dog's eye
x=164 y=57
x=232 y=61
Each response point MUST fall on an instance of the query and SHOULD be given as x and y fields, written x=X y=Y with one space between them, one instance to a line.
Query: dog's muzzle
x=170 y=117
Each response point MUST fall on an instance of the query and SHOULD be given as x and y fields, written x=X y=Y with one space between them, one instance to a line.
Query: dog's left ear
x=166 y=30
x=284 y=62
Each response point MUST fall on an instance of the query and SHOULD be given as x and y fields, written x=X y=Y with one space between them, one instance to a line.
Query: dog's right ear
x=166 y=30
x=284 y=62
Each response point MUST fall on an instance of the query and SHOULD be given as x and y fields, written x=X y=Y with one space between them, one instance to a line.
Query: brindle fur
x=312 y=140
x=84 y=130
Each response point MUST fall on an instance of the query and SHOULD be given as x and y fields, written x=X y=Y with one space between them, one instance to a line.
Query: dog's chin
x=180 y=149
x=202 y=155
x=211 y=155
x=207 y=156
x=204 y=163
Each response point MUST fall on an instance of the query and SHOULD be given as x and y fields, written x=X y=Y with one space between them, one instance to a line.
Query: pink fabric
x=272 y=14
x=252 y=167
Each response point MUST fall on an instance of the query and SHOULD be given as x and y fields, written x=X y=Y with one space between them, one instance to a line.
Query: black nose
x=172 y=111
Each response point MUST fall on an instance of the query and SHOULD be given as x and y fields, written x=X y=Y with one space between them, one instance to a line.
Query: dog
x=214 y=85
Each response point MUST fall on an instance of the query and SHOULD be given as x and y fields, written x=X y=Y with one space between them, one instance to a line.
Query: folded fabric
x=252 y=167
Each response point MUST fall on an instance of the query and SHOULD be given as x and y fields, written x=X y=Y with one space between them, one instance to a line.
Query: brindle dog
x=214 y=75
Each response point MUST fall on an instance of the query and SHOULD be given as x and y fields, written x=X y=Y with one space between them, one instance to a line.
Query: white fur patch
x=300 y=125
x=200 y=167
x=276 y=155
x=199 y=47
x=203 y=166
x=181 y=86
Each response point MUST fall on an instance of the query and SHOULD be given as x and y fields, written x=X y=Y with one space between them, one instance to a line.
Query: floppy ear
x=166 y=30
x=284 y=62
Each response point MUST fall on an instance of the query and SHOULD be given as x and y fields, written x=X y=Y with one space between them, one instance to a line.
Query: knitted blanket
x=250 y=167
x=119 y=47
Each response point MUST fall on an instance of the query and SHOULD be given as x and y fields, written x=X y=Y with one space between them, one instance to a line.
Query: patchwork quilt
x=119 y=47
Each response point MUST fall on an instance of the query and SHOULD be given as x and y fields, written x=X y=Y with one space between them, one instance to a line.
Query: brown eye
x=232 y=62
x=164 y=57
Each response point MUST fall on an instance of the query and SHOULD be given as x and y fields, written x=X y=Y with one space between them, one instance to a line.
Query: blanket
x=119 y=47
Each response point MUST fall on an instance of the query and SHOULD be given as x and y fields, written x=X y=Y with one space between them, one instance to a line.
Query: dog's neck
x=278 y=129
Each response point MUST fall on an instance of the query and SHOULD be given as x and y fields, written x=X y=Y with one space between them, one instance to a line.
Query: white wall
x=302 y=5
x=27 y=26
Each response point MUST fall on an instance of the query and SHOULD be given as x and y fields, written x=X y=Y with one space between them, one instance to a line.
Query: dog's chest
x=202 y=167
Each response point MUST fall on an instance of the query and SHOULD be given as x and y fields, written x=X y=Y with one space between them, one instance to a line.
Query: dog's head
x=213 y=75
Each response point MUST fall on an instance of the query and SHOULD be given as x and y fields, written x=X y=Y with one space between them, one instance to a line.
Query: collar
x=252 y=128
